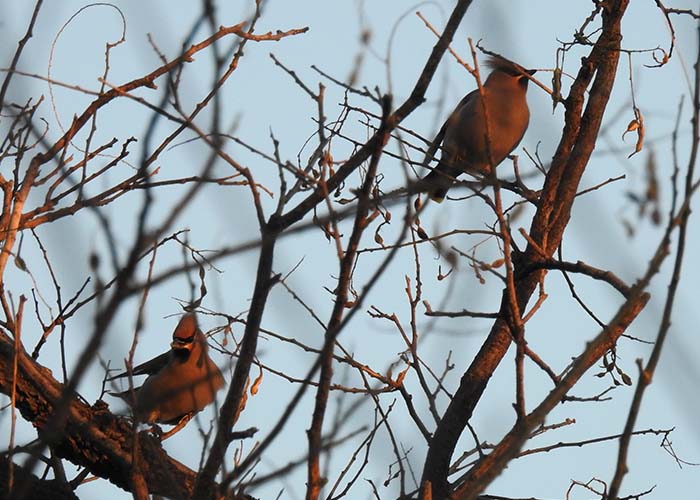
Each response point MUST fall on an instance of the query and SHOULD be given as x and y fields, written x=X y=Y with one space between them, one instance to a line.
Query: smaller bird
x=463 y=136
x=180 y=383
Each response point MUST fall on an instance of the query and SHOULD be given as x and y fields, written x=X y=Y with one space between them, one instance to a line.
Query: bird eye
x=187 y=340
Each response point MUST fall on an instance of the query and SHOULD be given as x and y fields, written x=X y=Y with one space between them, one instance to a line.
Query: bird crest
x=502 y=64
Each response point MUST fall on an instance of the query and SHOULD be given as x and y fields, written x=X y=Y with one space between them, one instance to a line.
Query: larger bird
x=464 y=144
x=180 y=382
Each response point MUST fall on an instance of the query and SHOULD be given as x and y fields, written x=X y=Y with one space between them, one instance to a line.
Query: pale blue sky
x=260 y=97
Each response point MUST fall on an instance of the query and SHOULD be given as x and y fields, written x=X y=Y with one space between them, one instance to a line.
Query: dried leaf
x=636 y=125
x=497 y=263
x=20 y=264
x=640 y=141
x=417 y=204
x=556 y=88
x=478 y=274
x=227 y=331
x=326 y=158
x=631 y=127
x=256 y=385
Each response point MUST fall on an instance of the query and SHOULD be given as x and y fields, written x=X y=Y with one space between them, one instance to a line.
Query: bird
x=463 y=135
x=180 y=383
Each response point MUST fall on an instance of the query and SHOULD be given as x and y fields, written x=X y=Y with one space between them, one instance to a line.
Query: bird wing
x=462 y=141
x=148 y=368
x=432 y=149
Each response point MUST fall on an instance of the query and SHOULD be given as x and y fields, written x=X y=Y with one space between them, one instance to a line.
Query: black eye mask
x=187 y=340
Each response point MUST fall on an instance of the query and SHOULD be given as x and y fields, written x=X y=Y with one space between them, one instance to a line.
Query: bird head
x=185 y=336
x=506 y=70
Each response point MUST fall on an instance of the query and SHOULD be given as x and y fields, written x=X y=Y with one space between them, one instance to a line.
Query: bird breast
x=508 y=118
x=178 y=389
x=508 y=121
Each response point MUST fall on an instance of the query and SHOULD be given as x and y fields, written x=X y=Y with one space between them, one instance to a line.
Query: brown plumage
x=180 y=382
x=464 y=146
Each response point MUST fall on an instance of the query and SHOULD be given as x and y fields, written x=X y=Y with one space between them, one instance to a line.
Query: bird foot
x=156 y=431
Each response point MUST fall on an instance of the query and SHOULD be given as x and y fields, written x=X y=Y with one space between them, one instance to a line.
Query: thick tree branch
x=92 y=437
x=577 y=143
x=276 y=225
x=31 y=486
x=491 y=465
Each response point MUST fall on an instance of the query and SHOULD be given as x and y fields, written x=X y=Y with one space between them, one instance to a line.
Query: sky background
x=260 y=99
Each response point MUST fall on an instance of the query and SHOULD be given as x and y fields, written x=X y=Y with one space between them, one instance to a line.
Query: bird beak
x=530 y=71
x=180 y=344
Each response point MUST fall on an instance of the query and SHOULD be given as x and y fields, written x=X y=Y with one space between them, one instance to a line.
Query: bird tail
x=439 y=181
x=126 y=396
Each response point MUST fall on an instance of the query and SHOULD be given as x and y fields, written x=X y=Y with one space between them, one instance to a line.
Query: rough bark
x=550 y=221
x=92 y=437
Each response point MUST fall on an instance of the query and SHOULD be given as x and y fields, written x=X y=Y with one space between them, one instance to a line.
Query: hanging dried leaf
x=636 y=125
x=556 y=88
x=378 y=239
x=478 y=274
x=417 y=204
x=256 y=385
x=631 y=127
x=497 y=263
x=326 y=159
x=422 y=234
x=20 y=264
